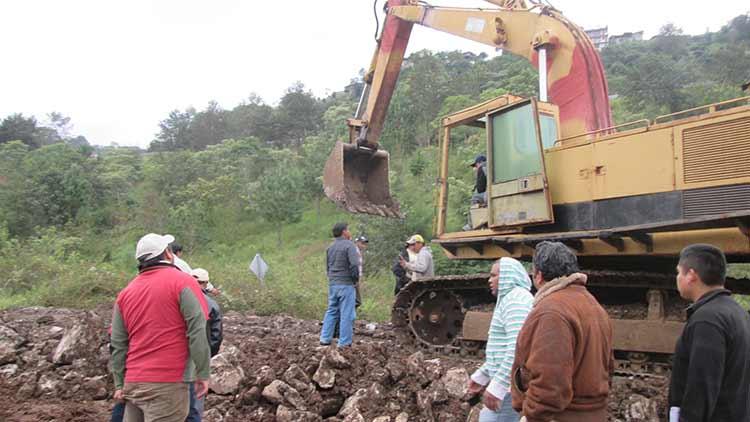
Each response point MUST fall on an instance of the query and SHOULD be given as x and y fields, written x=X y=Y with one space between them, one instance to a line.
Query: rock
x=456 y=381
x=27 y=382
x=376 y=392
x=641 y=409
x=334 y=359
x=324 y=377
x=299 y=380
x=48 y=385
x=94 y=387
x=285 y=414
x=424 y=403
x=354 y=417
x=352 y=403
x=226 y=377
x=213 y=415
x=69 y=346
x=415 y=362
x=8 y=370
x=280 y=392
x=434 y=368
x=265 y=376
x=438 y=393
x=402 y=417
x=331 y=405
x=295 y=373
x=395 y=370
x=250 y=396
x=382 y=419
x=9 y=343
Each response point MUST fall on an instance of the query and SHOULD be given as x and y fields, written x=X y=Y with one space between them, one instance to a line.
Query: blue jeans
x=341 y=301
x=118 y=412
x=504 y=414
x=196 y=406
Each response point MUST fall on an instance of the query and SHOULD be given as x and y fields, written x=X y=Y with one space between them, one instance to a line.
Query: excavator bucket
x=357 y=180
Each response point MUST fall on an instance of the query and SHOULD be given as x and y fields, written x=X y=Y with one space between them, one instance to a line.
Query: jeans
x=504 y=414
x=118 y=412
x=341 y=301
x=196 y=406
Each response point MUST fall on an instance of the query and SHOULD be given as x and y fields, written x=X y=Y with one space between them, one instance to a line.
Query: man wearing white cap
x=422 y=267
x=159 y=337
x=215 y=335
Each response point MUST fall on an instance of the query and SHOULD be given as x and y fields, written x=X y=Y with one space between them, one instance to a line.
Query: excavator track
x=430 y=312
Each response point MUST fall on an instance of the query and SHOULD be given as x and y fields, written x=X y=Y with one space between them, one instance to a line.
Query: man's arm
x=195 y=321
x=216 y=329
x=420 y=263
x=550 y=367
x=119 y=342
x=704 y=373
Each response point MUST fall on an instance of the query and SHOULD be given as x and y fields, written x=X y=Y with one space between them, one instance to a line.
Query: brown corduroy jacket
x=564 y=358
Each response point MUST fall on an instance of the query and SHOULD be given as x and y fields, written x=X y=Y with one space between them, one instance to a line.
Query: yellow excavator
x=627 y=198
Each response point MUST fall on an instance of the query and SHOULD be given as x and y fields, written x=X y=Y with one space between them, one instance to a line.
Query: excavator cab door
x=518 y=193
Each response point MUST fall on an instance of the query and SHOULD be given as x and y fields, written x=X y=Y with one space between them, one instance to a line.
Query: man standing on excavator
x=480 y=186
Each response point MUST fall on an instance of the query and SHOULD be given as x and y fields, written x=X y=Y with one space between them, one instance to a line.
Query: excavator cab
x=356 y=178
x=518 y=132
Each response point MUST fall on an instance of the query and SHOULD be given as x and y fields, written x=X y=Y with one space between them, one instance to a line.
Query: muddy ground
x=53 y=367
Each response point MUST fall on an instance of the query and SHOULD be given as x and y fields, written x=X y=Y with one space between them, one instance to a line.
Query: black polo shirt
x=711 y=372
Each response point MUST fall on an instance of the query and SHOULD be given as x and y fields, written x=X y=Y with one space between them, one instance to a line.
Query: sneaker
x=325 y=344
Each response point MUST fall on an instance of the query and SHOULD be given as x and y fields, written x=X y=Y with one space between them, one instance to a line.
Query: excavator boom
x=356 y=173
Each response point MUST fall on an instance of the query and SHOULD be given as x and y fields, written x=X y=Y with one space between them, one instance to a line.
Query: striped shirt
x=514 y=302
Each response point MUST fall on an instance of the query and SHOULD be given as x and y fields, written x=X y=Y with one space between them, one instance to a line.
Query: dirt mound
x=53 y=367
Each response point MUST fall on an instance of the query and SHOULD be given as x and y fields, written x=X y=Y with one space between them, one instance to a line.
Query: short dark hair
x=554 y=260
x=706 y=260
x=146 y=263
x=339 y=228
x=176 y=247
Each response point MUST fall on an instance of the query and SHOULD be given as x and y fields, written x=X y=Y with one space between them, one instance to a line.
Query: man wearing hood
x=564 y=355
x=510 y=282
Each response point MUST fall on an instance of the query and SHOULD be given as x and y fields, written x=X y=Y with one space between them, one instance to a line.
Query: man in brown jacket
x=564 y=353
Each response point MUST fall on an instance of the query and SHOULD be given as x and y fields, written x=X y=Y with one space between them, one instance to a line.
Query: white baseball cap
x=200 y=274
x=152 y=245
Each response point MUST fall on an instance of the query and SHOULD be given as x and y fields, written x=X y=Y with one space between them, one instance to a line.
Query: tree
x=16 y=127
x=280 y=196
x=297 y=116
x=174 y=131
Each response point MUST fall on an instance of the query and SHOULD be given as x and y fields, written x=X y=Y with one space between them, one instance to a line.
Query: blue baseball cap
x=480 y=159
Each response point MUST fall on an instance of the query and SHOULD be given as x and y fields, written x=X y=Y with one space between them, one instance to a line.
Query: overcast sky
x=118 y=67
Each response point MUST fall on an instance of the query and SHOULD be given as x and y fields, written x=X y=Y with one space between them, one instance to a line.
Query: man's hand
x=474 y=388
x=201 y=388
x=119 y=396
x=491 y=402
x=401 y=261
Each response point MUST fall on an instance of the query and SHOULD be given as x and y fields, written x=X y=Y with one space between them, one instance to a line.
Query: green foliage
x=227 y=183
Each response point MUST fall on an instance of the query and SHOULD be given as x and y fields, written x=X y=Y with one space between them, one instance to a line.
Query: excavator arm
x=356 y=173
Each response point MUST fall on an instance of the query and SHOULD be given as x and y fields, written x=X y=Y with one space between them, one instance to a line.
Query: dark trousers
x=118 y=412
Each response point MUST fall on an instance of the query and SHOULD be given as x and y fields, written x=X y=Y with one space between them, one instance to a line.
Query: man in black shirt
x=480 y=186
x=711 y=372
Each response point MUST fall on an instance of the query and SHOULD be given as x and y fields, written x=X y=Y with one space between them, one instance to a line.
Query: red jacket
x=162 y=313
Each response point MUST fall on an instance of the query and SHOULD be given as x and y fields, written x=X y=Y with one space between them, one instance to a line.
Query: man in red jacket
x=159 y=337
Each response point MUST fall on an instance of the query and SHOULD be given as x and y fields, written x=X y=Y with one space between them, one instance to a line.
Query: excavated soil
x=53 y=367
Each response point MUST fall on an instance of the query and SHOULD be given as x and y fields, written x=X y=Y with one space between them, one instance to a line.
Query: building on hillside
x=599 y=36
x=626 y=37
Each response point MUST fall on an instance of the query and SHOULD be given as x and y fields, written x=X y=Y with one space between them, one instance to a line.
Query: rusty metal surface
x=356 y=179
x=646 y=336
x=476 y=325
